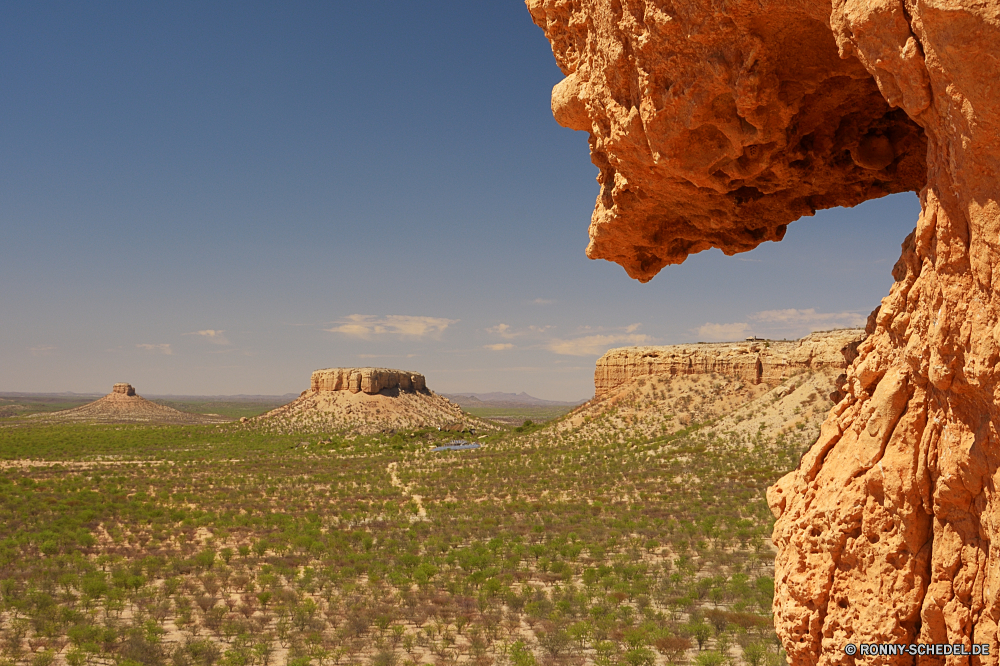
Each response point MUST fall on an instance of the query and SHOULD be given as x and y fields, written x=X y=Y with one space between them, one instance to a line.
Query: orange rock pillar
x=885 y=531
x=714 y=124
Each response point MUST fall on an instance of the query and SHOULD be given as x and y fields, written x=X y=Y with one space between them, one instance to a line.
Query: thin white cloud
x=595 y=345
x=507 y=333
x=211 y=335
x=386 y=355
x=42 y=350
x=500 y=346
x=787 y=323
x=503 y=330
x=158 y=349
x=543 y=301
x=723 y=332
x=402 y=326
x=809 y=318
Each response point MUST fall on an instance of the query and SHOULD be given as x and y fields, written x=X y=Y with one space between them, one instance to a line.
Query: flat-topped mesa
x=122 y=389
x=752 y=361
x=366 y=380
x=369 y=400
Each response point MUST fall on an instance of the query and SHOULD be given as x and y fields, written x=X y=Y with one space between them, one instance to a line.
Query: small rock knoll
x=122 y=405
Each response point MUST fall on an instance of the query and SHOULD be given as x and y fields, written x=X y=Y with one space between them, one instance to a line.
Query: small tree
x=755 y=654
x=710 y=658
x=701 y=632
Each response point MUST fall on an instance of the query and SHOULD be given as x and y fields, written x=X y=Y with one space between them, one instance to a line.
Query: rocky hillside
x=367 y=400
x=123 y=405
x=755 y=389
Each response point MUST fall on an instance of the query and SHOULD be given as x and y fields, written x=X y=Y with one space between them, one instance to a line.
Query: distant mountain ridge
x=499 y=399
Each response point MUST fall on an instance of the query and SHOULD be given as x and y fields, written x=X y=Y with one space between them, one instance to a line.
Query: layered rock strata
x=714 y=125
x=366 y=380
x=755 y=362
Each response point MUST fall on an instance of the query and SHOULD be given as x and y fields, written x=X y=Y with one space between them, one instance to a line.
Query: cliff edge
x=715 y=124
x=754 y=361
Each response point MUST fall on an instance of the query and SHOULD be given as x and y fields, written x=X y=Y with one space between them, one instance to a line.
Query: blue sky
x=219 y=198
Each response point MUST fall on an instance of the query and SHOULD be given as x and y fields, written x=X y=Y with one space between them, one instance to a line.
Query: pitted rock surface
x=718 y=124
x=756 y=362
x=714 y=124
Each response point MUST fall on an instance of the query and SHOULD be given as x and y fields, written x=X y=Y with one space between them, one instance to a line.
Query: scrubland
x=613 y=541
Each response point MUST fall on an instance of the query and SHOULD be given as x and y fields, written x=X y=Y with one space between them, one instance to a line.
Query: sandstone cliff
x=366 y=380
x=759 y=361
x=717 y=124
x=714 y=124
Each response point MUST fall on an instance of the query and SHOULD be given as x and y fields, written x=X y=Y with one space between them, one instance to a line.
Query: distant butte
x=367 y=400
x=122 y=405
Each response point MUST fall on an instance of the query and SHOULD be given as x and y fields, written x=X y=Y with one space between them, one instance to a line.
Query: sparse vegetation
x=514 y=415
x=619 y=540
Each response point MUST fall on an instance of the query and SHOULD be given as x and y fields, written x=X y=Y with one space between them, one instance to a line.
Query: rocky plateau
x=755 y=362
x=647 y=392
x=716 y=124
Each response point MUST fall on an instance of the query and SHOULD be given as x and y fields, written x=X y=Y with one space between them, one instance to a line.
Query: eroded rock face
x=886 y=530
x=123 y=389
x=755 y=362
x=366 y=380
x=717 y=124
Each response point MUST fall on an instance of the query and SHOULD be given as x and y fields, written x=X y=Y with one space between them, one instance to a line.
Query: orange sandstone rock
x=717 y=124
x=714 y=124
